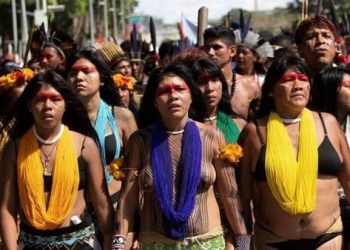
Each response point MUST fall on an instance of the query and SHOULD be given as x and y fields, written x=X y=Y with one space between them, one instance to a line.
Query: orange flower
x=121 y=81
x=115 y=166
x=231 y=152
x=15 y=78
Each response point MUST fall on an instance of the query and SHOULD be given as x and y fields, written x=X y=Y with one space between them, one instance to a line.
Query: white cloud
x=171 y=10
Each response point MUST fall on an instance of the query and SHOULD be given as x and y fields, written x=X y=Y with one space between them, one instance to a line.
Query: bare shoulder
x=123 y=114
x=329 y=120
x=82 y=140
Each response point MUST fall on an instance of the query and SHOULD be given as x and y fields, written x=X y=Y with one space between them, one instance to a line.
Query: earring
x=102 y=83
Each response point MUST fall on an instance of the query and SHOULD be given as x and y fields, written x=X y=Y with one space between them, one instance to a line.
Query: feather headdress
x=55 y=38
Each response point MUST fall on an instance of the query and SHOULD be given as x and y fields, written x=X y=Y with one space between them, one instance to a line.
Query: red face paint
x=43 y=97
x=170 y=88
x=292 y=77
x=345 y=84
x=205 y=79
x=83 y=68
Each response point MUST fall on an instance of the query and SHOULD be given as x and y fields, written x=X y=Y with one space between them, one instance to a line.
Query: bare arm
x=126 y=121
x=9 y=201
x=246 y=178
x=128 y=201
x=98 y=191
x=344 y=176
x=227 y=186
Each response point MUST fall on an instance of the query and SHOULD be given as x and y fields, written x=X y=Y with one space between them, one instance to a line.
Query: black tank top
x=82 y=173
x=328 y=159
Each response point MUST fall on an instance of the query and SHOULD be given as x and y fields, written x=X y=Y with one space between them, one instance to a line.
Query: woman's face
x=84 y=78
x=211 y=88
x=245 y=58
x=173 y=97
x=343 y=99
x=47 y=107
x=123 y=67
x=291 y=91
x=124 y=94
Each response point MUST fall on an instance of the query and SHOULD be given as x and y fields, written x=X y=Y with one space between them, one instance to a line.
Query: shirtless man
x=220 y=44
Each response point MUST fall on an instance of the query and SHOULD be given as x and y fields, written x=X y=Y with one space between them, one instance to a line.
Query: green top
x=228 y=127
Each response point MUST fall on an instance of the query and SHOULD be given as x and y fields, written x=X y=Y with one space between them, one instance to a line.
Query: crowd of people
x=187 y=152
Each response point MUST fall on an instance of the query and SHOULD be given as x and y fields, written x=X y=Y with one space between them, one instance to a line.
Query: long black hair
x=206 y=67
x=108 y=91
x=325 y=90
x=281 y=64
x=20 y=119
x=148 y=113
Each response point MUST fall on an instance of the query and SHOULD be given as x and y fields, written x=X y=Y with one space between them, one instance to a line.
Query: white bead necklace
x=48 y=142
x=211 y=118
x=176 y=132
x=290 y=121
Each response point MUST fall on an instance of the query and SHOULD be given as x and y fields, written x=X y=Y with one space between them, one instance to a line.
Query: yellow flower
x=14 y=78
x=121 y=81
x=231 y=152
x=115 y=166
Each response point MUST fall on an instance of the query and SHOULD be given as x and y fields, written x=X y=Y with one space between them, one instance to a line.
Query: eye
x=303 y=77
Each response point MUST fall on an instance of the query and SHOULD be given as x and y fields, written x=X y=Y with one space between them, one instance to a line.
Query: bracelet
x=118 y=242
x=242 y=242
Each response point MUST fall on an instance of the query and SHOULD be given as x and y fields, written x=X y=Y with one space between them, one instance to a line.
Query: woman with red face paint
x=92 y=81
x=173 y=162
x=212 y=83
x=90 y=77
x=51 y=171
x=293 y=159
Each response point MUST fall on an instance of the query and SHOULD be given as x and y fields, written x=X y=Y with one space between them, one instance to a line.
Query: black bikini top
x=328 y=159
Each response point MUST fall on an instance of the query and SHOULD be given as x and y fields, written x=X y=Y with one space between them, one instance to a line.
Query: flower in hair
x=231 y=152
x=121 y=81
x=15 y=78
x=115 y=167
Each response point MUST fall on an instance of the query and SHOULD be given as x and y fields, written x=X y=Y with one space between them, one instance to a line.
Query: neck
x=173 y=125
x=47 y=133
x=212 y=112
x=92 y=107
x=227 y=71
x=249 y=71
x=289 y=114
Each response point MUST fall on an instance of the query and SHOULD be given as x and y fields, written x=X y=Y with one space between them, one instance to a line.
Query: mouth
x=174 y=107
x=321 y=50
x=47 y=117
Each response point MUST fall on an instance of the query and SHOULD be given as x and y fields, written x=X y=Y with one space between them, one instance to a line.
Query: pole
x=122 y=19
x=14 y=26
x=115 y=21
x=92 y=24
x=202 y=25
x=105 y=17
x=24 y=22
x=46 y=23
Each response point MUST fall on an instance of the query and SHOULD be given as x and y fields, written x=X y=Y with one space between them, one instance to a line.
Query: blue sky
x=171 y=10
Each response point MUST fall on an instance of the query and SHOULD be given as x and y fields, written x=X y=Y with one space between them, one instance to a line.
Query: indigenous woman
x=293 y=159
x=125 y=86
x=91 y=78
x=211 y=82
x=331 y=94
x=173 y=162
x=52 y=167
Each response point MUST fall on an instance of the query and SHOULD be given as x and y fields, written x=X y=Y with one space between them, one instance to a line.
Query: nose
x=120 y=92
x=47 y=103
x=210 y=86
x=211 y=51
